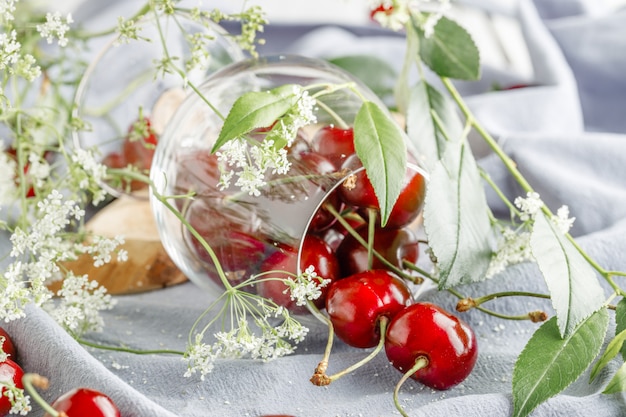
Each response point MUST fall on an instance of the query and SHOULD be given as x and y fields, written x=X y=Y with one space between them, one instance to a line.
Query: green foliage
x=549 y=363
x=574 y=288
x=450 y=51
x=432 y=121
x=255 y=109
x=374 y=72
x=456 y=218
x=380 y=145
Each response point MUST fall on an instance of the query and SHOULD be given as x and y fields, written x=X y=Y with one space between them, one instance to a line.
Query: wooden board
x=148 y=266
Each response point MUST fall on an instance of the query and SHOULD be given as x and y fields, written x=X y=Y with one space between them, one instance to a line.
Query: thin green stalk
x=129 y=350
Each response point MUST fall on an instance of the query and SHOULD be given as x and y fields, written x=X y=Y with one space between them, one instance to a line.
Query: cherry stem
x=383 y=321
x=371 y=231
x=420 y=363
x=32 y=380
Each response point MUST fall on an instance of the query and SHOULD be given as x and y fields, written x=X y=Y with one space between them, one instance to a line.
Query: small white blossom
x=102 y=249
x=93 y=170
x=199 y=358
x=397 y=13
x=9 y=49
x=8 y=188
x=3 y=355
x=38 y=169
x=562 y=220
x=78 y=310
x=529 y=206
x=513 y=248
x=20 y=402
x=307 y=286
x=7 y=8
x=55 y=27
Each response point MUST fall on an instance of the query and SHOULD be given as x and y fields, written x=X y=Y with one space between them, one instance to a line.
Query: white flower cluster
x=397 y=13
x=90 y=172
x=78 y=310
x=20 y=403
x=514 y=246
x=8 y=188
x=3 y=355
x=306 y=286
x=7 y=8
x=55 y=27
x=37 y=253
x=11 y=57
x=265 y=341
x=252 y=159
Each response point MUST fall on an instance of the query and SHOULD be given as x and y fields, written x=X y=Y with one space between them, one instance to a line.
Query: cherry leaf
x=610 y=352
x=432 y=120
x=375 y=72
x=620 y=321
x=380 y=145
x=573 y=284
x=254 y=110
x=456 y=218
x=618 y=382
x=450 y=51
x=549 y=363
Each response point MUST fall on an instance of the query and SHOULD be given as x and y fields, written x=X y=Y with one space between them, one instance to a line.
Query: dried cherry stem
x=319 y=376
x=32 y=380
x=420 y=363
x=324 y=379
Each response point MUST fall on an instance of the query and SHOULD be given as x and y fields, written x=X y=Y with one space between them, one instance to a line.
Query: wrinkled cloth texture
x=567 y=134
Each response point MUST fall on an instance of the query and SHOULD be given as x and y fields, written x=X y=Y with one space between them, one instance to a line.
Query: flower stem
x=129 y=350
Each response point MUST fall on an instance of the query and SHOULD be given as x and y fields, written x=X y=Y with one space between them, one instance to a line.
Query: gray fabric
x=579 y=62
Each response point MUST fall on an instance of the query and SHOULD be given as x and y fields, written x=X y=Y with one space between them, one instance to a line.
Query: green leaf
x=432 y=121
x=456 y=218
x=255 y=109
x=380 y=145
x=618 y=382
x=611 y=352
x=620 y=321
x=573 y=284
x=376 y=74
x=549 y=364
x=450 y=51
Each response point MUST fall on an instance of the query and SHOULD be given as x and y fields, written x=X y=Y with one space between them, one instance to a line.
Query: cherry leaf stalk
x=620 y=321
x=380 y=145
x=549 y=363
x=575 y=291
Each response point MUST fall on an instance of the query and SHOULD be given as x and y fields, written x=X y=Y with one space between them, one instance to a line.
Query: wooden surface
x=148 y=266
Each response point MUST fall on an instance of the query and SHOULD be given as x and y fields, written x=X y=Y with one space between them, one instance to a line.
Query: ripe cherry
x=358 y=191
x=337 y=232
x=394 y=245
x=10 y=373
x=431 y=345
x=356 y=304
x=233 y=233
x=334 y=143
x=81 y=402
x=139 y=144
x=7 y=346
x=315 y=252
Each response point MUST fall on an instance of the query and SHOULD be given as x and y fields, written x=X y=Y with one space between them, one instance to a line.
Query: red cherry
x=10 y=372
x=140 y=151
x=380 y=9
x=82 y=402
x=232 y=231
x=316 y=253
x=445 y=345
x=395 y=245
x=360 y=193
x=356 y=304
x=334 y=143
x=7 y=345
x=197 y=171
x=337 y=232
